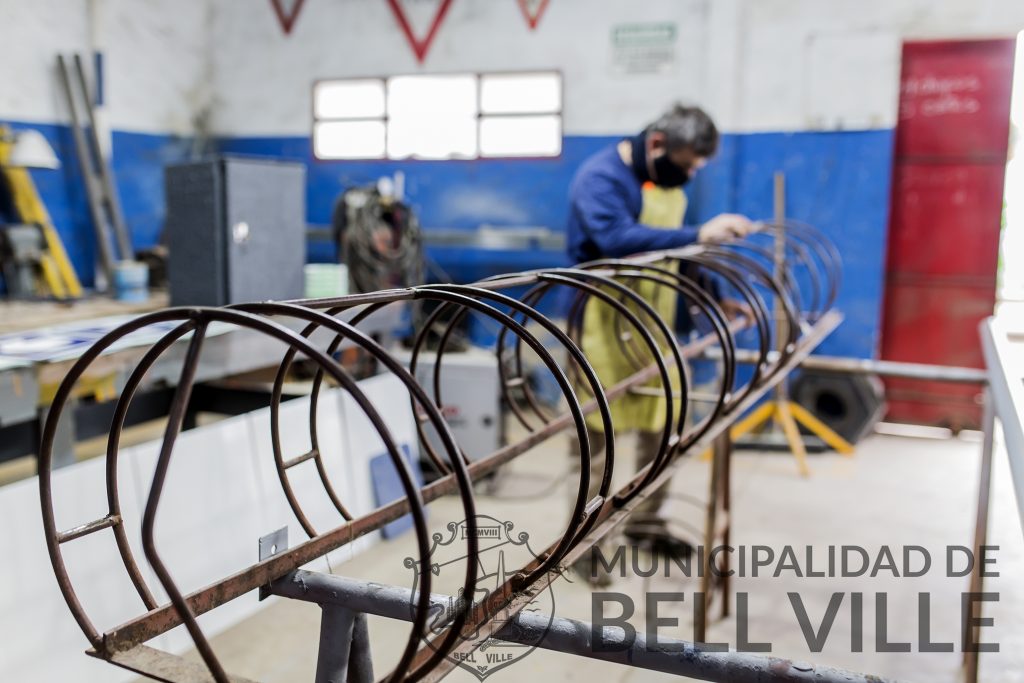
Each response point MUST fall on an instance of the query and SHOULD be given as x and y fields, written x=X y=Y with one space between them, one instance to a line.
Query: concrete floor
x=895 y=491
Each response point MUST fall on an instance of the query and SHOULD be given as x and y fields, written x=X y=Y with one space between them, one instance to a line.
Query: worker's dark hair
x=689 y=127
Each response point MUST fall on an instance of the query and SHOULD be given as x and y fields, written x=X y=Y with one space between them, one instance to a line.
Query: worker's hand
x=724 y=227
x=733 y=309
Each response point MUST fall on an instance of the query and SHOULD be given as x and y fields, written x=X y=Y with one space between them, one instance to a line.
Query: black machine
x=21 y=254
x=379 y=239
x=21 y=247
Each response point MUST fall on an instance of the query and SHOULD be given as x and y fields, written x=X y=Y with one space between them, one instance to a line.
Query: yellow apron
x=661 y=208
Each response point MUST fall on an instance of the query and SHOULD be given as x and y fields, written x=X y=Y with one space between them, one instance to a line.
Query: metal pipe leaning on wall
x=743 y=270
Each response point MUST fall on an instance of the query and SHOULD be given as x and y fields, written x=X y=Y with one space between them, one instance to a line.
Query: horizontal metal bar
x=656 y=392
x=676 y=657
x=889 y=368
x=287 y=464
x=870 y=366
x=88 y=528
x=701 y=396
x=518 y=280
x=385 y=296
x=164 y=666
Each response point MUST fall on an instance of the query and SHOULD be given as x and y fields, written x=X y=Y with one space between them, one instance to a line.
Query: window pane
x=354 y=99
x=349 y=140
x=432 y=117
x=511 y=136
x=454 y=95
x=539 y=93
x=432 y=136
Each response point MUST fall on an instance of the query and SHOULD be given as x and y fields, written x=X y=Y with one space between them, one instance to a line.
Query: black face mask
x=665 y=173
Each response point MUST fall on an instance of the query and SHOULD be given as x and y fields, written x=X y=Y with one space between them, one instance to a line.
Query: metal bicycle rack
x=805 y=294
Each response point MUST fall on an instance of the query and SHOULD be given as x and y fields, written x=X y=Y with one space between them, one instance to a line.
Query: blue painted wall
x=446 y=194
x=138 y=162
x=838 y=181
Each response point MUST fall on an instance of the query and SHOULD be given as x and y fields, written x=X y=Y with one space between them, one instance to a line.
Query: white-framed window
x=439 y=116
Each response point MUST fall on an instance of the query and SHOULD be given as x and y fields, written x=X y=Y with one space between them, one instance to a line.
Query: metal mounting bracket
x=273 y=543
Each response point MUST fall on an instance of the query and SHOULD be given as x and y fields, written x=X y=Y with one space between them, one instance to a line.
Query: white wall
x=755 y=64
x=157 y=60
x=835 y=63
x=263 y=78
x=156 y=52
x=32 y=34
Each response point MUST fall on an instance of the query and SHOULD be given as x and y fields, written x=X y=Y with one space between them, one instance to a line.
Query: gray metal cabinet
x=236 y=231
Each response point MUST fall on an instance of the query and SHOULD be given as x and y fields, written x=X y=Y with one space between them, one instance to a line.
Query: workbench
x=40 y=341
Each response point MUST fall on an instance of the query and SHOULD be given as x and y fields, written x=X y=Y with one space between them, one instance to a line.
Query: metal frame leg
x=970 y=633
x=716 y=532
x=336 y=629
x=725 y=443
x=360 y=664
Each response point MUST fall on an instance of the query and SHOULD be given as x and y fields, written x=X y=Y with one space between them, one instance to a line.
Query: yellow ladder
x=58 y=274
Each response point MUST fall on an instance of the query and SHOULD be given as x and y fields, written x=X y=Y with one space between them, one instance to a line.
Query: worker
x=626 y=199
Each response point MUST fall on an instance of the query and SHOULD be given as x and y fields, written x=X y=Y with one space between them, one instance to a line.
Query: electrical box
x=235 y=231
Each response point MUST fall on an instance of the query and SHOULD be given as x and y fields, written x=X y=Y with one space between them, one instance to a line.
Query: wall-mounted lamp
x=29 y=149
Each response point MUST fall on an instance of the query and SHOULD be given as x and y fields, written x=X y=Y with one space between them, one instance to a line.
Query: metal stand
x=345 y=601
x=788 y=415
x=780 y=410
x=344 y=653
